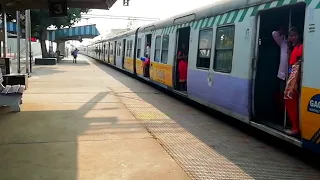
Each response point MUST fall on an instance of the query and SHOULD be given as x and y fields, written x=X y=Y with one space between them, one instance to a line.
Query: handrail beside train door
x=105 y=51
x=135 y=51
x=108 y=52
x=115 y=52
x=174 y=64
x=254 y=62
x=124 y=52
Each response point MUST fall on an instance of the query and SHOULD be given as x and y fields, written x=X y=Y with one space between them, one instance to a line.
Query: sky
x=161 y=9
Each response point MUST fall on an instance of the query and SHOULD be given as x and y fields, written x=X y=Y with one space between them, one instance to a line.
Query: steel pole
x=27 y=39
x=4 y=29
x=18 y=42
x=30 y=47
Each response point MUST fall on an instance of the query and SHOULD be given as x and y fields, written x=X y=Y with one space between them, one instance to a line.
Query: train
x=233 y=60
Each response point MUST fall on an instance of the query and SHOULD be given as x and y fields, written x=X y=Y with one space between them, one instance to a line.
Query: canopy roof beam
x=18 y=5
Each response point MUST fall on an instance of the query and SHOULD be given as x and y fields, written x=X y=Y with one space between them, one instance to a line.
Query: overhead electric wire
x=85 y=16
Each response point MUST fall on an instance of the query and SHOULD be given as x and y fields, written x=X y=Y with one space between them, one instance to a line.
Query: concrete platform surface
x=204 y=146
x=89 y=121
x=74 y=126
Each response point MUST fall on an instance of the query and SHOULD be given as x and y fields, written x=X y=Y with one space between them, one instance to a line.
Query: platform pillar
x=4 y=37
x=61 y=46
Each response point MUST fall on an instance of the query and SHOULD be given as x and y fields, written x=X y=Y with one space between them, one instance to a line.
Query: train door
x=108 y=51
x=100 y=51
x=182 y=45
x=268 y=102
x=310 y=90
x=124 y=52
x=115 y=53
x=118 y=52
x=148 y=45
x=104 y=51
x=138 y=66
x=147 y=53
x=138 y=48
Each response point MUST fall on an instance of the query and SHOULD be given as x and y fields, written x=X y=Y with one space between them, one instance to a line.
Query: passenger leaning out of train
x=146 y=65
x=295 y=50
x=280 y=38
x=183 y=66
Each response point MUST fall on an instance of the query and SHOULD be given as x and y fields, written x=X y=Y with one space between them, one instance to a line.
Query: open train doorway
x=148 y=44
x=124 y=52
x=146 y=67
x=269 y=81
x=108 y=52
x=180 y=62
x=104 y=51
x=115 y=52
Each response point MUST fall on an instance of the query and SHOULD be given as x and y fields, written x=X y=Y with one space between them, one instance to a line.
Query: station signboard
x=58 y=8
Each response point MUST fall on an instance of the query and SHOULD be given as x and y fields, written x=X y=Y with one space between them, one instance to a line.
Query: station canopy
x=18 y=5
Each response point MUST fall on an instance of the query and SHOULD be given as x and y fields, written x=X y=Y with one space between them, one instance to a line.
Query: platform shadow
x=70 y=62
x=44 y=144
x=40 y=70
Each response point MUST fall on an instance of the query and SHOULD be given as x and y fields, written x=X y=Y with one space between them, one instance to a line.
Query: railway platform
x=89 y=121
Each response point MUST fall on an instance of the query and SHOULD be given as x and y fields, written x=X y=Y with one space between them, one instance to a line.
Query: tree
x=40 y=21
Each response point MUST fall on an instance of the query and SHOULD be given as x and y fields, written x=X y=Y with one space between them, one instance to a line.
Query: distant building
x=111 y=33
x=115 y=32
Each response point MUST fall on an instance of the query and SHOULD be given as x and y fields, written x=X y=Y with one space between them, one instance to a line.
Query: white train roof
x=214 y=9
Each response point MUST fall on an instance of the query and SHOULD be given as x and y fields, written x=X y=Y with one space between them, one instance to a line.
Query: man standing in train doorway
x=280 y=38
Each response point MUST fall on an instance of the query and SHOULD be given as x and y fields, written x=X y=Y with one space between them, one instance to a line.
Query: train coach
x=233 y=60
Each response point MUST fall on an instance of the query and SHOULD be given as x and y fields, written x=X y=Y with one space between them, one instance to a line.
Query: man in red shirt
x=292 y=90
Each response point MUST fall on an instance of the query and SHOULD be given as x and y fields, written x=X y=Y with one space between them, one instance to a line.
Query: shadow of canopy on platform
x=17 y=5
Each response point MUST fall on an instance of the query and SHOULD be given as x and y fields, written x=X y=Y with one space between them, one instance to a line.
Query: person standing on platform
x=75 y=55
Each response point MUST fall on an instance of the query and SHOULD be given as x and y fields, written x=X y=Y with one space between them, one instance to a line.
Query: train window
x=111 y=49
x=157 y=50
x=130 y=48
x=119 y=49
x=224 y=49
x=165 y=48
x=127 y=49
x=204 y=48
x=138 y=47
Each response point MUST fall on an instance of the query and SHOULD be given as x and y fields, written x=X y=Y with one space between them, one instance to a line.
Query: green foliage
x=40 y=20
